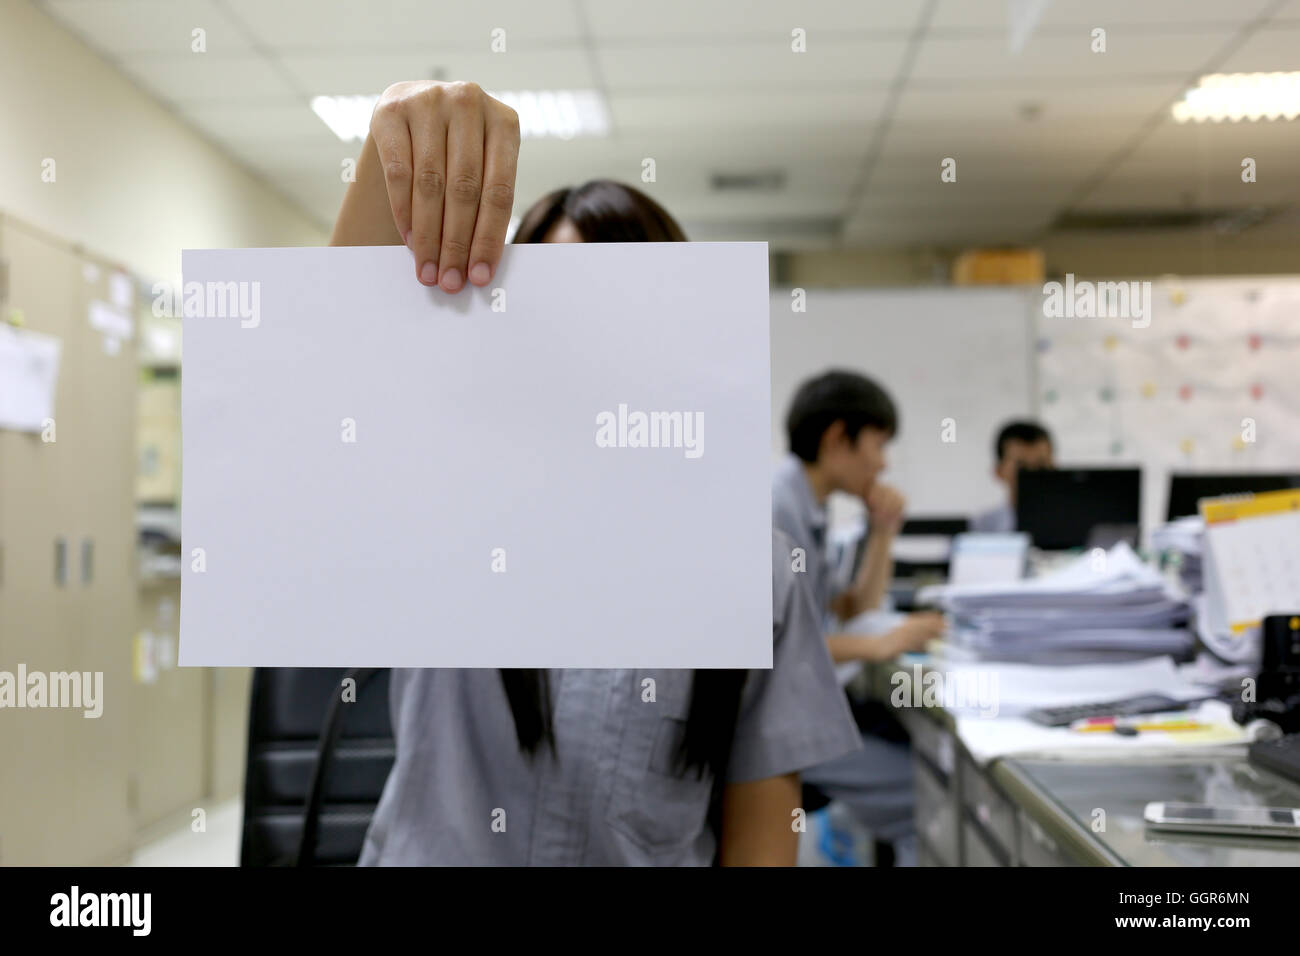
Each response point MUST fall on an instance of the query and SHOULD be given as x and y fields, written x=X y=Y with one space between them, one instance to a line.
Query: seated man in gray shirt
x=1020 y=444
x=838 y=425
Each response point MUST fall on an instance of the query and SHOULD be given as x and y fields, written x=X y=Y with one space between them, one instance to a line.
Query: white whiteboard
x=958 y=353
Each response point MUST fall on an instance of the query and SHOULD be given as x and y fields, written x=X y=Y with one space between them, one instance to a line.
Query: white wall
x=134 y=184
x=962 y=354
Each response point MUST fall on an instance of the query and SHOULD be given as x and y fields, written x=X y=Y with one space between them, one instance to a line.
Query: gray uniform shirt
x=461 y=792
x=999 y=520
x=795 y=512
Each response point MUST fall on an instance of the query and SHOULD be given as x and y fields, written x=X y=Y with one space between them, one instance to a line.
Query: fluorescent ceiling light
x=347 y=116
x=1238 y=96
x=558 y=113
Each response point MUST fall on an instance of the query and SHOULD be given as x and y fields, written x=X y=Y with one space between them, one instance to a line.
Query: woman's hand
x=437 y=173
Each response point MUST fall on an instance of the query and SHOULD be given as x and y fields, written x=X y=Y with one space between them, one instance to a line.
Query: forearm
x=758 y=822
x=862 y=647
x=366 y=218
x=868 y=589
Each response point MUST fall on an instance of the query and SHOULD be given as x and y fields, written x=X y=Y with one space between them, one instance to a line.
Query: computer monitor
x=1187 y=488
x=1079 y=507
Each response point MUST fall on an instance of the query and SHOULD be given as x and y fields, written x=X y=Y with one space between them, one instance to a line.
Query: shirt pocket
x=653 y=803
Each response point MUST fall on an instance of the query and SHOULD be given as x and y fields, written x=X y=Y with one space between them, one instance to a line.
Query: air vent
x=760 y=181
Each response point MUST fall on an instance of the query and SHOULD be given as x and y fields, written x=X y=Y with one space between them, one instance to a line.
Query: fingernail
x=429 y=273
x=479 y=273
x=451 y=280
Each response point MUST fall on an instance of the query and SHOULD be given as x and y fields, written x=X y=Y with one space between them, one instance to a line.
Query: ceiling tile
x=1093 y=103
x=406 y=25
x=120 y=27
x=1200 y=164
x=725 y=23
x=768 y=65
x=1066 y=60
x=266 y=123
x=921 y=227
x=1019 y=143
x=1065 y=14
x=344 y=74
x=1288 y=12
x=1266 y=51
x=207 y=78
x=779 y=112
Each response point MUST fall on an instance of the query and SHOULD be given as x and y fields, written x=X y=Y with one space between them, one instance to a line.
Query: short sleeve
x=795 y=715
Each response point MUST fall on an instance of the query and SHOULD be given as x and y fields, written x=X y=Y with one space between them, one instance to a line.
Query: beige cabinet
x=67 y=583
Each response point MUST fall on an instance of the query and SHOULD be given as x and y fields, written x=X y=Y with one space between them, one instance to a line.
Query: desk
x=1035 y=812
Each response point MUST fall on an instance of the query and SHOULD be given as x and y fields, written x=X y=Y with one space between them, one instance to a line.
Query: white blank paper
x=29 y=375
x=474 y=448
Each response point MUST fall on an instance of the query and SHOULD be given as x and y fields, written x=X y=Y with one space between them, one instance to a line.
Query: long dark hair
x=606 y=211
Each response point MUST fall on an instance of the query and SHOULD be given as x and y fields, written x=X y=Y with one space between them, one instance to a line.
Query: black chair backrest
x=292 y=713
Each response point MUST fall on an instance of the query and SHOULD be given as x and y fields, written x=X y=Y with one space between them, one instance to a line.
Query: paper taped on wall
x=29 y=374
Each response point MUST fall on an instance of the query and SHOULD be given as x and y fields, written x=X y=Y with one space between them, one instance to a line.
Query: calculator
x=1127 y=707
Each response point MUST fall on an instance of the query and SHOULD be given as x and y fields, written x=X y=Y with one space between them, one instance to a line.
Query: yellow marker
x=1148 y=389
x=1100 y=725
x=1172 y=725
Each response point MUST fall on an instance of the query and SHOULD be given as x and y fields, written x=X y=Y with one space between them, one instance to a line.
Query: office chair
x=316 y=766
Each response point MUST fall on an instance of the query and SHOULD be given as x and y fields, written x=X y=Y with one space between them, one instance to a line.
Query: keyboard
x=1282 y=756
x=1127 y=707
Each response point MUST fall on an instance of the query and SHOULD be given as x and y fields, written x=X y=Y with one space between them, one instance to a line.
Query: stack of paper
x=988 y=740
x=1104 y=606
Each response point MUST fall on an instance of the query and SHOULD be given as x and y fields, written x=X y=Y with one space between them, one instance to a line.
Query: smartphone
x=1196 y=817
